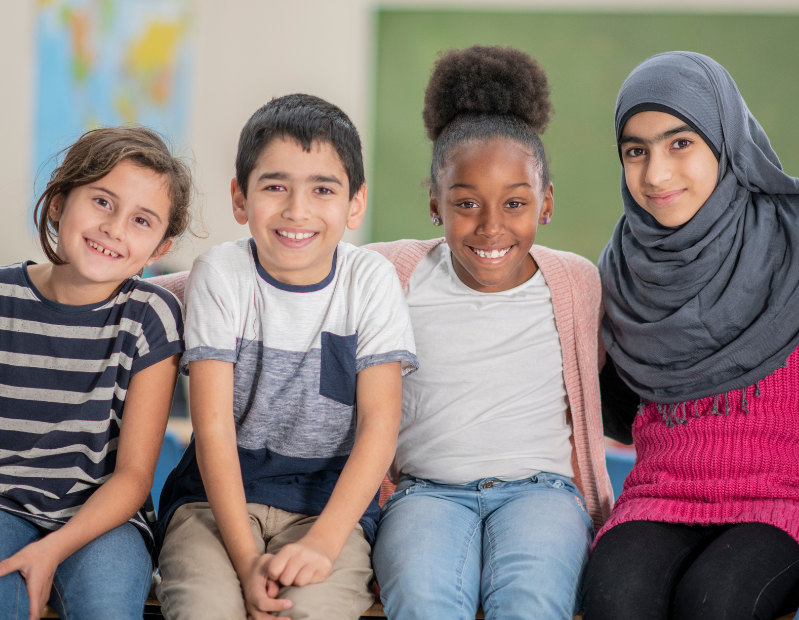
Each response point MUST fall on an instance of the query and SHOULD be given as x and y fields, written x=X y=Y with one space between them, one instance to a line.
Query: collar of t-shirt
x=511 y=292
x=293 y=288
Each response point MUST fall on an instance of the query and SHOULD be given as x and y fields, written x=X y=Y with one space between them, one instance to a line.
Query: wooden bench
x=153 y=610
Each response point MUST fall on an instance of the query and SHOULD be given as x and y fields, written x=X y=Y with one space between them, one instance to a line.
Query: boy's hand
x=37 y=564
x=301 y=563
x=260 y=591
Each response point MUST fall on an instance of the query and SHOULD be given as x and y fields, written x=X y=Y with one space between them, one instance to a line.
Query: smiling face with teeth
x=490 y=201
x=297 y=207
x=108 y=231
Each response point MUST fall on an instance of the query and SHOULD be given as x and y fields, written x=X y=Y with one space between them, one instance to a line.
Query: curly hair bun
x=486 y=80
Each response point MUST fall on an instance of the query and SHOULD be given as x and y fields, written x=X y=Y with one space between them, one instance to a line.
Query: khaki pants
x=198 y=580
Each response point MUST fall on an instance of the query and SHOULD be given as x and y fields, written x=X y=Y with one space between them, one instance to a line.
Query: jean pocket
x=337 y=376
x=405 y=488
x=555 y=483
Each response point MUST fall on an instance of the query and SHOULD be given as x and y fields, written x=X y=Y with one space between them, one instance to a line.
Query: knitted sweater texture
x=576 y=297
x=727 y=459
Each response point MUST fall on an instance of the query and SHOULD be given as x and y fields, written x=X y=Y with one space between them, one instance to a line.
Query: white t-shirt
x=489 y=399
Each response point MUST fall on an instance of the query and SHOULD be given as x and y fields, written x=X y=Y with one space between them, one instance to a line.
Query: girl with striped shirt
x=84 y=343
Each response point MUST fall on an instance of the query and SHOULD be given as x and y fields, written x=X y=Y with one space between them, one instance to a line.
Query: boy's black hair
x=481 y=93
x=306 y=119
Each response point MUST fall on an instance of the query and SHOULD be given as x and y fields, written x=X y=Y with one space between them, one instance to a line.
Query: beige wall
x=247 y=52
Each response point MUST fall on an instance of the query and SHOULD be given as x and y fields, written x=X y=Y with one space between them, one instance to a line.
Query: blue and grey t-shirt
x=64 y=376
x=296 y=351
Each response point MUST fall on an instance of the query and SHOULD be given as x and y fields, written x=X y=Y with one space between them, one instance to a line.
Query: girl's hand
x=37 y=564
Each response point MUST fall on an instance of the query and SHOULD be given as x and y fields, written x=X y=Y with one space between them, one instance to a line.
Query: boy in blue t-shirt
x=272 y=508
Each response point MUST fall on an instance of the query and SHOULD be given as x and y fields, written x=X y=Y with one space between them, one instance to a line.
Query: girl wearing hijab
x=701 y=293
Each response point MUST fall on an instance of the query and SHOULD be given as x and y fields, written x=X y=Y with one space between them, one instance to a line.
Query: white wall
x=247 y=52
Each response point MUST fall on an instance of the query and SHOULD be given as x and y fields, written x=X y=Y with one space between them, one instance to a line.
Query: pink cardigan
x=576 y=297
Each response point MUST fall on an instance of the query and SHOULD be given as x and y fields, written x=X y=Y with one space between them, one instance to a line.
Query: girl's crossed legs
x=516 y=548
x=108 y=578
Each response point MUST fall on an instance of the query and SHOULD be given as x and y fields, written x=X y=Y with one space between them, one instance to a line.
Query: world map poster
x=109 y=62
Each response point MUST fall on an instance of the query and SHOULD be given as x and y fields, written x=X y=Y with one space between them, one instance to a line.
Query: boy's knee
x=344 y=595
x=218 y=598
x=312 y=603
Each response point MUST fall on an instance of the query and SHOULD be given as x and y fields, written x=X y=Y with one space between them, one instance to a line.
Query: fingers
x=305 y=576
x=8 y=566
x=261 y=592
x=272 y=588
x=37 y=599
x=292 y=568
x=292 y=560
x=277 y=565
x=261 y=606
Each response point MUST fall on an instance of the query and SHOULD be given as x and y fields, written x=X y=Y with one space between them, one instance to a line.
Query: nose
x=114 y=225
x=490 y=224
x=658 y=169
x=296 y=207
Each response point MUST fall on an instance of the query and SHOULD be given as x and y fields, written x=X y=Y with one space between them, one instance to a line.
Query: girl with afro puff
x=500 y=461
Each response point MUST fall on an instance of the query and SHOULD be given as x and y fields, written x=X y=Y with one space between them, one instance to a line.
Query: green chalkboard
x=587 y=57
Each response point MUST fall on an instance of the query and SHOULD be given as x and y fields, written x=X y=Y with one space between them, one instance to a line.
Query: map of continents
x=109 y=62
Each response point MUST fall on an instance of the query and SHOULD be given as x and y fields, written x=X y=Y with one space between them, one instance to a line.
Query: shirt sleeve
x=161 y=327
x=384 y=328
x=619 y=404
x=211 y=317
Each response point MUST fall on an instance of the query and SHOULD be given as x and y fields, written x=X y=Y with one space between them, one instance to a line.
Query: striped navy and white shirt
x=64 y=374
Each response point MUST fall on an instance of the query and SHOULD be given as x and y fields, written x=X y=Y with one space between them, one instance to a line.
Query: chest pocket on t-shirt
x=337 y=380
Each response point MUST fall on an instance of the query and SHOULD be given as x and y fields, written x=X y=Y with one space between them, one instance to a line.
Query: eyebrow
x=511 y=186
x=115 y=197
x=666 y=134
x=273 y=176
x=319 y=178
x=104 y=189
x=282 y=176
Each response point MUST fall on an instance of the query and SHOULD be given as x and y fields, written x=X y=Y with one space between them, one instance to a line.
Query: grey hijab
x=713 y=305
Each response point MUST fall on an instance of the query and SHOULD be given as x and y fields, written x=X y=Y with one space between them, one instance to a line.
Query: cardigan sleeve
x=619 y=404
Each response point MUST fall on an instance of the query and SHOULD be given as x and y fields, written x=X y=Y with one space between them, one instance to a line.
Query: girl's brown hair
x=94 y=155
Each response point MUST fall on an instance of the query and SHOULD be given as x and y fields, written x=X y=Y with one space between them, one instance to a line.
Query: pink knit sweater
x=738 y=465
x=576 y=294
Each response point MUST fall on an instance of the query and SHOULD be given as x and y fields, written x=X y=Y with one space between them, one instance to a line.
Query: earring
x=436 y=221
x=545 y=221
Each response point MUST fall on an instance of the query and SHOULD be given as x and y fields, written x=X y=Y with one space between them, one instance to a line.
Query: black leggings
x=653 y=570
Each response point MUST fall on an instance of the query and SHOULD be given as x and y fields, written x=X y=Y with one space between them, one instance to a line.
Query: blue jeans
x=517 y=548
x=108 y=578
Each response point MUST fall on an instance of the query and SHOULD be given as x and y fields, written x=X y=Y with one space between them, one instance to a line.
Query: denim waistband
x=555 y=480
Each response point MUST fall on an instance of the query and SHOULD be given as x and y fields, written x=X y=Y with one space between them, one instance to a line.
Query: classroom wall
x=248 y=51
x=587 y=57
